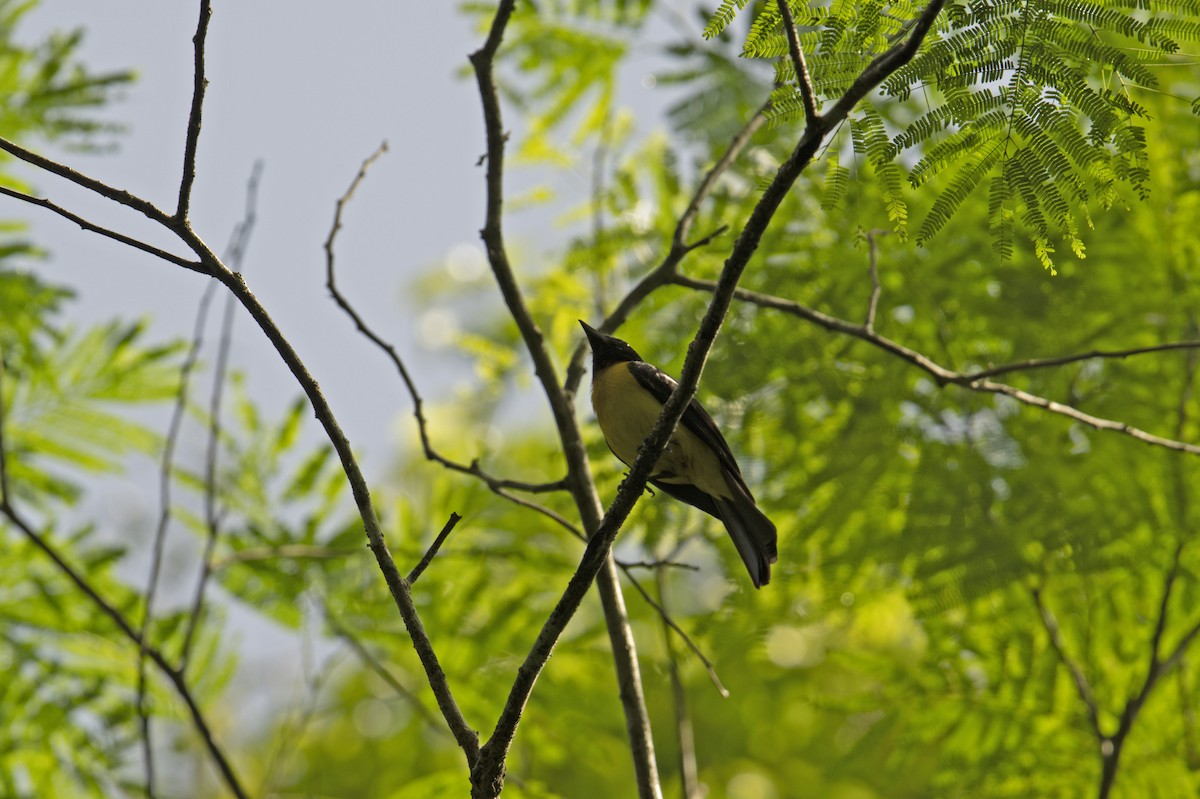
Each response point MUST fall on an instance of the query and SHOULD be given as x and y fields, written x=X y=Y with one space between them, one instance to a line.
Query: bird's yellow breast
x=627 y=413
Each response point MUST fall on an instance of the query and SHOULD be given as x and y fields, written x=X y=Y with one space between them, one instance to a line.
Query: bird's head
x=607 y=350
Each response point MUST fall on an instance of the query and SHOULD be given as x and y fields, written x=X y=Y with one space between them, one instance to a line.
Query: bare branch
x=375 y=665
x=91 y=184
x=431 y=553
x=1082 y=686
x=670 y=625
x=803 y=79
x=92 y=227
x=487 y=777
x=1043 y=363
x=941 y=374
x=689 y=777
x=235 y=254
x=657 y=565
x=283 y=552
x=200 y=83
x=164 y=521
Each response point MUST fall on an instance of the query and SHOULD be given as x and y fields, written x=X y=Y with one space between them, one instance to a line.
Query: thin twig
x=1043 y=363
x=283 y=552
x=496 y=484
x=873 y=272
x=670 y=624
x=689 y=777
x=376 y=665
x=192 y=141
x=235 y=255
x=803 y=79
x=657 y=565
x=164 y=521
x=431 y=553
x=91 y=227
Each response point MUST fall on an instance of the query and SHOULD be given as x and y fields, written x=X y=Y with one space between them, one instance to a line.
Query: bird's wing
x=695 y=418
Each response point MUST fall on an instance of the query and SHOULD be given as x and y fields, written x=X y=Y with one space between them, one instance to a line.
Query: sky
x=310 y=93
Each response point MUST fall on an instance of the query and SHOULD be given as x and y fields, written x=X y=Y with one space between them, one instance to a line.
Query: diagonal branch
x=431 y=553
x=119 y=196
x=91 y=227
x=173 y=675
x=1082 y=686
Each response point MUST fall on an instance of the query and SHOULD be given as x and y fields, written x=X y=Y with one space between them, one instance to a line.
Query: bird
x=697 y=466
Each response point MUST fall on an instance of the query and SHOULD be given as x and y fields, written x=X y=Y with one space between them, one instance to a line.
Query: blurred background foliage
x=942 y=552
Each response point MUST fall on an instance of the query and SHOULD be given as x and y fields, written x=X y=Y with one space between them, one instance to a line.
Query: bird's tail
x=752 y=532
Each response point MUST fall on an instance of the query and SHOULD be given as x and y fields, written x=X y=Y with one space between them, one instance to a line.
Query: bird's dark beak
x=595 y=337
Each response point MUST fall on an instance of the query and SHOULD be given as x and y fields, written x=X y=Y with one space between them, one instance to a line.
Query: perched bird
x=696 y=467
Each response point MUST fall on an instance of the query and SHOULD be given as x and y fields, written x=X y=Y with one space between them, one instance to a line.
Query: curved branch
x=1043 y=363
x=940 y=373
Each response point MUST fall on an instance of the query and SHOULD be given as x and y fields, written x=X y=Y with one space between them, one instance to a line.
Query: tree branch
x=235 y=254
x=941 y=374
x=91 y=227
x=803 y=79
x=689 y=777
x=431 y=553
x=1082 y=686
x=172 y=674
x=873 y=273
x=493 y=753
x=160 y=532
x=119 y=196
x=1043 y=363
x=661 y=274
x=199 y=84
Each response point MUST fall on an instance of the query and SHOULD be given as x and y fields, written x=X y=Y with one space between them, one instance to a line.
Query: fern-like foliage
x=1034 y=100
